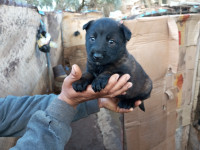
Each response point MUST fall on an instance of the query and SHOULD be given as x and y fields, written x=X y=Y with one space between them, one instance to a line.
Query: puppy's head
x=105 y=40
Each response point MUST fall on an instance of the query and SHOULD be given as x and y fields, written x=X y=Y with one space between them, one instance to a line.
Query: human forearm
x=49 y=129
x=16 y=112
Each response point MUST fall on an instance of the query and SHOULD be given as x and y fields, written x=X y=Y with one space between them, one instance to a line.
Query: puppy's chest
x=97 y=70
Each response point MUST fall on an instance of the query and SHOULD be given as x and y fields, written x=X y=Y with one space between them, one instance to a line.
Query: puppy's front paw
x=100 y=83
x=80 y=85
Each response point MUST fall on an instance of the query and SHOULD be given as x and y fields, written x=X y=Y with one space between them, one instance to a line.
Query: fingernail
x=117 y=77
x=73 y=70
x=124 y=93
x=129 y=85
x=127 y=77
x=131 y=109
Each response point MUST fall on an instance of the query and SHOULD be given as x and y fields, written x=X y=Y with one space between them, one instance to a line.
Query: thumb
x=75 y=73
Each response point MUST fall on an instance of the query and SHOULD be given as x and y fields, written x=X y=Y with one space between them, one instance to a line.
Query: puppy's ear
x=87 y=25
x=126 y=31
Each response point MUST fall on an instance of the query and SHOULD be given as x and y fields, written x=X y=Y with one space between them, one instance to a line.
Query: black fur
x=106 y=55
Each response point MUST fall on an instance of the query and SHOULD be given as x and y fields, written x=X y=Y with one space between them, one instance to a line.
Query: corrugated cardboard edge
x=173 y=45
x=154 y=128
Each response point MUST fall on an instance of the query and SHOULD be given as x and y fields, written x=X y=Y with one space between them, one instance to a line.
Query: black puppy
x=106 y=55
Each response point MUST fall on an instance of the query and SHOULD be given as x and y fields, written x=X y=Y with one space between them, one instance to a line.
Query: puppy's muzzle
x=97 y=56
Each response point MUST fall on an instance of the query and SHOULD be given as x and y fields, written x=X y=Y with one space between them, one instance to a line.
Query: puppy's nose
x=97 y=56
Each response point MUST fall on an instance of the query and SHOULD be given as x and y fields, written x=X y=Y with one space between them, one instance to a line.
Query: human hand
x=116 y=86
x=111 y=104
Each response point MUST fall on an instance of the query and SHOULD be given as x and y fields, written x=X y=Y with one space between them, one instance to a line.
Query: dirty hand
x=116 y=86
x=111 y=104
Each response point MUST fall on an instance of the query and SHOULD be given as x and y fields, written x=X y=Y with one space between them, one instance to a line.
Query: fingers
x=123 y=90
x=120 y=83
x=119 y=87
x=111 y=82
x=137 y=103
x=74 y=75
x=123 y=110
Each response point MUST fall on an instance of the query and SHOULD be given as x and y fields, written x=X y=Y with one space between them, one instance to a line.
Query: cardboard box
x=154 y=44
x=166 y=47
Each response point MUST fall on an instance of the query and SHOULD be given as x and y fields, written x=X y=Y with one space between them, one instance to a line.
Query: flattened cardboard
x=173 y=45
x=155 y=128
x=186 y=115
x=192 y=30
x=73 y=22
x=190 y=59
x=76 y=55
x=178 y=82
x=150 y=130
x=187 y=87
x=182 y=59
x=154 y=36
x=181 y=23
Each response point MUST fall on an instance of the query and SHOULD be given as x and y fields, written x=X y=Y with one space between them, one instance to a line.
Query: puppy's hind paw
x=125 y=104
x=99 y=83
x=80 y=85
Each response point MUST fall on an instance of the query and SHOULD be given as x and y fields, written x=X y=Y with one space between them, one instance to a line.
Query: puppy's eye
x=111 y=42
x=92 y=39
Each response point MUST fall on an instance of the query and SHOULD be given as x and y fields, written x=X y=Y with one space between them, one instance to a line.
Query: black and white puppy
x=106 y=55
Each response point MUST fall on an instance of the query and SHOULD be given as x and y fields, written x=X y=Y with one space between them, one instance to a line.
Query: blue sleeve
x=85 y=109
x=15 y=112
x=49 y=129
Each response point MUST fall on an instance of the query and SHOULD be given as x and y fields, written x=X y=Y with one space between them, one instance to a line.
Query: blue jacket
x=43 y=121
